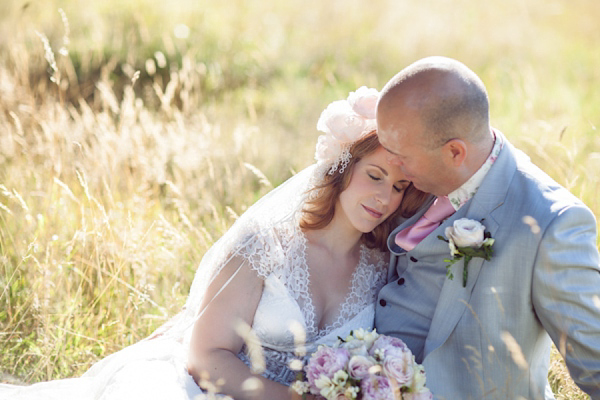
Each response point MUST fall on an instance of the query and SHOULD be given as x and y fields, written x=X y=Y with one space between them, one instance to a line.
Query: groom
x=487 y=337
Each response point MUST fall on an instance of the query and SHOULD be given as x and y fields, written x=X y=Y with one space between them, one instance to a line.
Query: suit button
x=382 y=302
x=400 y=281
x=413 y=259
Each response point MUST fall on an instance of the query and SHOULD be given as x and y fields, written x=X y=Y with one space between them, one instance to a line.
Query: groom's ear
x=455 y=151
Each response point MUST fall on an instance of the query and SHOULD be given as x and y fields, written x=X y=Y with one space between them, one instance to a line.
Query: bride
x=299 y=268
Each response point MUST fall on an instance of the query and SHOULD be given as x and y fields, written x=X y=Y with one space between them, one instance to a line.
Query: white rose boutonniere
x=467 y=238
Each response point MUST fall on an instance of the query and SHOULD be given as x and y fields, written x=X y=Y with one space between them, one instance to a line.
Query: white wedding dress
x=273 y=244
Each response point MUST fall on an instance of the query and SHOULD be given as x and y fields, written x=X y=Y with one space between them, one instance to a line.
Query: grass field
x=133 y=133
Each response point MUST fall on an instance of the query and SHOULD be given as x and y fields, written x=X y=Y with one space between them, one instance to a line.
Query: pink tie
x=409 y=237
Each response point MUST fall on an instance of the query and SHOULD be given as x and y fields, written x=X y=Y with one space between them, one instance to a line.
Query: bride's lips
x=373 y=213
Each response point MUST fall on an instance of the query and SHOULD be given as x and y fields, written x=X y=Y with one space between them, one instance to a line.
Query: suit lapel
x=454 y=298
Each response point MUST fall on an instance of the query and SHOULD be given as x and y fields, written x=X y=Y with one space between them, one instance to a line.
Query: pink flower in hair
x=340 y=121
x=364 y=101
x=344 y=122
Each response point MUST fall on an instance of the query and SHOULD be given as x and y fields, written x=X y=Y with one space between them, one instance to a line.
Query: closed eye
x=375 y=178
x=402 y=186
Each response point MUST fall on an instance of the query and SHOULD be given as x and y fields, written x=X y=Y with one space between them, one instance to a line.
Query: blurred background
x=132 y=134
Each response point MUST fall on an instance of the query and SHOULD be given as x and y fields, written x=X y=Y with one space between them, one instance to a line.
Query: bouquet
x=365 y=365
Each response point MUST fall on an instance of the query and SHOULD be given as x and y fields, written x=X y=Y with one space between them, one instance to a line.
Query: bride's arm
x=215 y=342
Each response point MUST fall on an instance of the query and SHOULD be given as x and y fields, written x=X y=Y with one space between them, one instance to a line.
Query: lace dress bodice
x=285 y=319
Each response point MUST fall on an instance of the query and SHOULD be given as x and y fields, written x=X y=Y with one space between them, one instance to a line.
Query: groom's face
x=423 y=165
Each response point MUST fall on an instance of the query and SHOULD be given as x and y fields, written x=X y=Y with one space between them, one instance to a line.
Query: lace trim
x=282 y=251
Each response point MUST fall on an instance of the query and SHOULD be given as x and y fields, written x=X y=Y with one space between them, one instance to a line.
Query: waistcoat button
x=413 y=259
x=401 y=281
x=382 y=302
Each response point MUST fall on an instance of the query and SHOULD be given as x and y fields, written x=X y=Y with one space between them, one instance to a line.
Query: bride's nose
x=384 y=195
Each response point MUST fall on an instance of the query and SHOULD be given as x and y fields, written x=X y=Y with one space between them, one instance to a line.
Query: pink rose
x=389 y=344
x=364 y=101
x=376 y=387
x=326 y=361
x=358 y=366
x=399 y=366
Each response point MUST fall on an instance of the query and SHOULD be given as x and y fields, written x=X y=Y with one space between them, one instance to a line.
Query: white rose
x=466 y=233
x=448 y=233
x=364 y=101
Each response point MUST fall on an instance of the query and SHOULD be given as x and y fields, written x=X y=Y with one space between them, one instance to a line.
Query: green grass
x=112 y=190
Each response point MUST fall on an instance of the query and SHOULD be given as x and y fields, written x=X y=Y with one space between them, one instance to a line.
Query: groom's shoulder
x=539 y=187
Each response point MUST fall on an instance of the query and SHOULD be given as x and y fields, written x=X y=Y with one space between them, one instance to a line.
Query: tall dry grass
x=132 y=135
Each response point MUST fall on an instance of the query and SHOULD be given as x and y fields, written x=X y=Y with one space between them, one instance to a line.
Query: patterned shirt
x=463 y=194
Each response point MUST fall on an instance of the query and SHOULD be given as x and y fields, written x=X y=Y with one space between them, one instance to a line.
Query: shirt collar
x=463 y=194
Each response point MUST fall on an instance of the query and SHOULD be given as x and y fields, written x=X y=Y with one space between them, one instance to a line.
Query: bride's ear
x=455 y=152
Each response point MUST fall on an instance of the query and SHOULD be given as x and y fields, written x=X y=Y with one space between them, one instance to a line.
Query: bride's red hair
x=319 y=210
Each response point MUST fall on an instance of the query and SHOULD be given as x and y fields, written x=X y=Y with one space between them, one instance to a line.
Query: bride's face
x=374 y=192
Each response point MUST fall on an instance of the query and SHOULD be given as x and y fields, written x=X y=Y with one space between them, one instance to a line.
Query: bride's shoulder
x=265 y=248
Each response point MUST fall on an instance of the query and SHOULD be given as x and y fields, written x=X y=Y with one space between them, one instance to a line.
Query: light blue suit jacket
x=492 y=339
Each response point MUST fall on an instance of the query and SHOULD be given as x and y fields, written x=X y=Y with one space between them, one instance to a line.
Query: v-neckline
x=309 y=311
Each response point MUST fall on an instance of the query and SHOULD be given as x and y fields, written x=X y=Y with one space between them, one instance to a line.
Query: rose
x=377 y=387
x=364 y=101
x=325 y=362
x=465 y=233
x=400 y=368
x=389 y=345
x=467 y=238
x=358 y=366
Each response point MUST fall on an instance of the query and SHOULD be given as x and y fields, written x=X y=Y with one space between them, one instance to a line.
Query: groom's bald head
x=448 y=98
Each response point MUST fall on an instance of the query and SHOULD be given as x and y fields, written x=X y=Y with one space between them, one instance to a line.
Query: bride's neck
x=338 y=238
